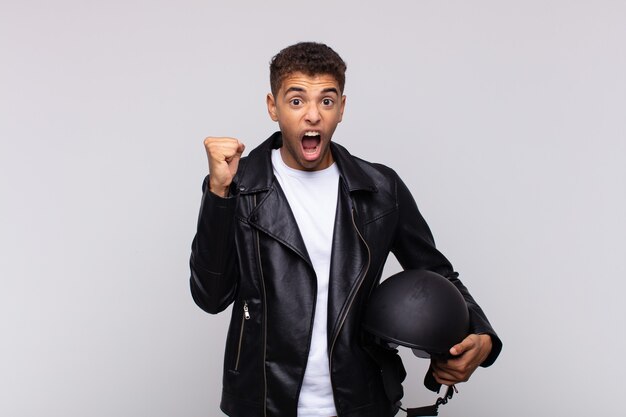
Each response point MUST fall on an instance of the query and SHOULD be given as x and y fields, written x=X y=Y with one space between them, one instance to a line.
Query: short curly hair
x=311 y=59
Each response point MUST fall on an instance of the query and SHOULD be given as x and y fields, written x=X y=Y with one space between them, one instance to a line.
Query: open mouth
x=311 y=142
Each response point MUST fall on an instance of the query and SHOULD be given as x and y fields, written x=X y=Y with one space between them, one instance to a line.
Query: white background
x=505 y=118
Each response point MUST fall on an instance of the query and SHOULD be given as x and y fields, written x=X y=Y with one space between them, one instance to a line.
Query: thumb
x=233 y=162
x=238 y=152
x=240 y=148
x=459 y=348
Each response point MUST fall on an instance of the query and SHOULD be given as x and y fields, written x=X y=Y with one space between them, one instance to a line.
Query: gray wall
x=506 y=119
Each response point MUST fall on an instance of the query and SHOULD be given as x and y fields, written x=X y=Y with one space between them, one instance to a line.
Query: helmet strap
x=393 y=374
x=431 y=410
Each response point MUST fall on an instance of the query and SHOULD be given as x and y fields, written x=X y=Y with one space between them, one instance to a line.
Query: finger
x=222 y=148
x=454 y=368
x=446 y=377
x=222 y=143
x=234 y=151
x=465 y=345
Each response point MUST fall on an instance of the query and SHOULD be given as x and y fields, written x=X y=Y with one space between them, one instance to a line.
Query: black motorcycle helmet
x=423 y=311
x=418 y=309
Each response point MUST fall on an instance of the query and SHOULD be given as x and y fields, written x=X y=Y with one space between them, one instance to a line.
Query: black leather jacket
x=248 y=250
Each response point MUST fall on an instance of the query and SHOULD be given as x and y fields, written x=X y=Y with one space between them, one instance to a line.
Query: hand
x=223 y=155
x=468 y=355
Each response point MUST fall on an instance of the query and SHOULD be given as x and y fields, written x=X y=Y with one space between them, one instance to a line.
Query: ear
x=342 y=108
x=271 y=107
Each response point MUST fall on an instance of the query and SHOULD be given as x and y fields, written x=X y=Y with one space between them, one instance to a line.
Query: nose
x=312 y=115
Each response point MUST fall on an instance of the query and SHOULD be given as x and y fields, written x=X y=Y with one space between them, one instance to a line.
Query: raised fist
x=223 y=155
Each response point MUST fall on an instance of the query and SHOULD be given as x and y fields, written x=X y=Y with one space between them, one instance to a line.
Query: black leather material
x=248 y=251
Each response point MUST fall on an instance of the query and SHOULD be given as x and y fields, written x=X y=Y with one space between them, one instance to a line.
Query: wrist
x=219 y=190
x=486 y=345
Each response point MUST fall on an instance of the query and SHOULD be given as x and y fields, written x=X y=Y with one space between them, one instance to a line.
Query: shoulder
x=377 y=169
x=363 y=174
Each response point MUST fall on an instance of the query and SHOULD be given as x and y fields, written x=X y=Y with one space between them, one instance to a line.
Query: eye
x=327 y=102
x=296 y=101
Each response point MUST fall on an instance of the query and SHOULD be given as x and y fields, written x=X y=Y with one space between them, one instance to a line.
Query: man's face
x=307 y=109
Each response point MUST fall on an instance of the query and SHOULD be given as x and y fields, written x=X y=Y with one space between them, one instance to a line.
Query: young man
x=296 y=236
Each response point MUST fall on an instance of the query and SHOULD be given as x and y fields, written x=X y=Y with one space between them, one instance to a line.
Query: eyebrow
x=290 y=89
x=300 y=90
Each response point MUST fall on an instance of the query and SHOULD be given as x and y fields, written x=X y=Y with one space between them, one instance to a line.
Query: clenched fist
x=223 y=155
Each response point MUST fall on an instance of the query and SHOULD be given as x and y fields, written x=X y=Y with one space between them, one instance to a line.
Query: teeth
x=311 y=134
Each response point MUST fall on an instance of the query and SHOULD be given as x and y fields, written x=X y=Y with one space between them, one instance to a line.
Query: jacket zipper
x=264 y=318
x=245 y=316
x=345 y=315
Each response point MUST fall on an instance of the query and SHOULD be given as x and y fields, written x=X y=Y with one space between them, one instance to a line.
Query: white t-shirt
x=312 y=196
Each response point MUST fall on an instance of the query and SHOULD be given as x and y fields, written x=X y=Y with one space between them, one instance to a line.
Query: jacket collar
x=257 y=173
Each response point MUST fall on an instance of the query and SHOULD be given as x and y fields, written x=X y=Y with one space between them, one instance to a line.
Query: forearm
x=213 y=257
x=415 y=248
x=479 y=324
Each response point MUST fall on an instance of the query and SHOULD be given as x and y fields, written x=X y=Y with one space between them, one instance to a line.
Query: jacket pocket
x=245 y=316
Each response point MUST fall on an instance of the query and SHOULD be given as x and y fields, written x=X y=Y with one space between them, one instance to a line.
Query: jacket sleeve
x=414 y=247
x=214 y=272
